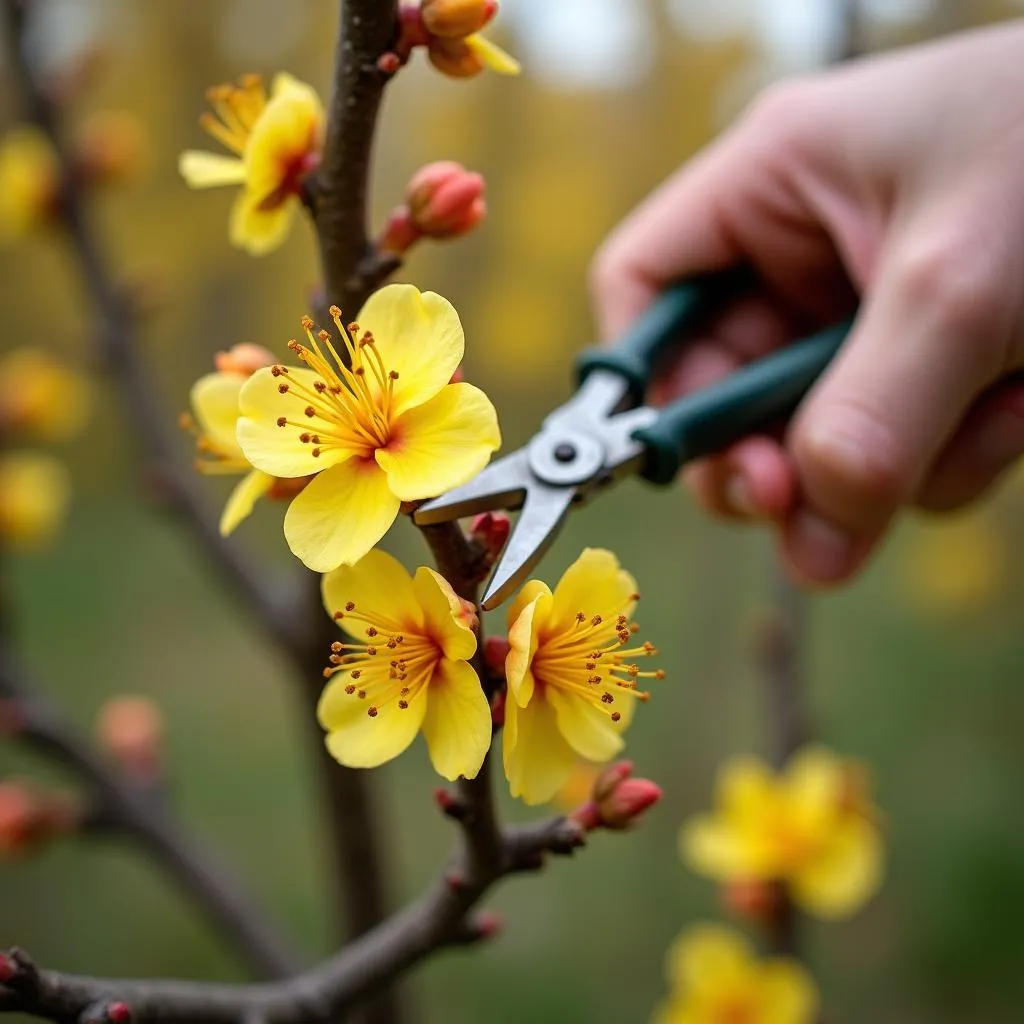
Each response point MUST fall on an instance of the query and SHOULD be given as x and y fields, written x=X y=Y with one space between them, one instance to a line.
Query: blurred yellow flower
x=40 y=396
x=957 y=566
x=406 y=668
x=29 y=182
x=278 y=142
x=572 y=678
x=215 y=406
x=378 y=423
x=34 y=494
x=812 y=827
x=716 y=979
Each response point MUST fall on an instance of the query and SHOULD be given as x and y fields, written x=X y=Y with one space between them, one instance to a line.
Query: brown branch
x=125 y=808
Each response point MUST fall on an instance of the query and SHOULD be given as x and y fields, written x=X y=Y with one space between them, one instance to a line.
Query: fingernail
x=737 y=496
x=821 y=551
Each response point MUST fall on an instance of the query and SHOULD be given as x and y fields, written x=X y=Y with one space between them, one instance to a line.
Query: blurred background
x=916 y=669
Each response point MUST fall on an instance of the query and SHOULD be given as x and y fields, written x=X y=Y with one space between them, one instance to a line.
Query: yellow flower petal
x=278 y=450
x=815 y=780
x=258 y=227
x=492 y=56
x=711 y=849
x=537 y=758
x=590 y=732
x=523 y=636
x=419 y=336
x=340 y=515
x=594 y=584
x=441 y=443
x=379 y=586
x=210 y=170
x=289 y=128
x=846 y=874
x=707 y=957
x=744 y=786
x=216 y=406
x=34 y=494
x=243 y=498
x=786 y=993
x=359 y=741
x=457 y=726
x=443 y=612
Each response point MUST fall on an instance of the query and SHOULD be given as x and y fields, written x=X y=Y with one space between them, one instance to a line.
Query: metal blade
x=501 y=485
x=542 y=516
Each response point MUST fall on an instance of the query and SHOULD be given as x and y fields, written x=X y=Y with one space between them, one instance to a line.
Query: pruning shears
x=604 y=433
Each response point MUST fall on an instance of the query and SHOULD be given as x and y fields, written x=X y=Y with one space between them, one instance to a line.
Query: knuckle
x=606 y=269
x=849 y=466
x=783 y=111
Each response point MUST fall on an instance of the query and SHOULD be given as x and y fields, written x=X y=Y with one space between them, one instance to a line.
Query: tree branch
x=122 y=806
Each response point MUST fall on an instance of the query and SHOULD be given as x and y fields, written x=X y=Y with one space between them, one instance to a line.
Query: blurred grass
x=917 y=670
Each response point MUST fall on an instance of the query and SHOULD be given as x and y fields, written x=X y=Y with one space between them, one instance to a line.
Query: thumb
x=932 y=334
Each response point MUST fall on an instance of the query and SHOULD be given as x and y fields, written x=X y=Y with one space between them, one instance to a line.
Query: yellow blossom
x=572 y=673
x=216 y=410
x=405 y=669
x=40 y=396
x=716 y=979
x=812 y=827
x=277 y=142
x=377 y=422
x=29 y=182
x=34 y=493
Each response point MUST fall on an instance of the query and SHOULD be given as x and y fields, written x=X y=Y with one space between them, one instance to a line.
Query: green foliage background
x=916 y=669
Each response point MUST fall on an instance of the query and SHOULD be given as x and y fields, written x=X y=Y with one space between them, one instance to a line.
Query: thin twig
x=122 y=806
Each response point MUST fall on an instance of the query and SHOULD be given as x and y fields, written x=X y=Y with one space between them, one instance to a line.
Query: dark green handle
x=678 y=309
x=709 y=420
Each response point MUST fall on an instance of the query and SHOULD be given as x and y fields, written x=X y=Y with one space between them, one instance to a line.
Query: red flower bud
x=612 y=776
x=131 y=729
x=119 y=1013
x=627 y=802
x=498 y=708
x=495 y=653
x=490 y=530
x=8 y=968
x=458 y=376
x=244 y=359
x=399 y=234
x=22 y=818
x=488 y=924
x=445 y=200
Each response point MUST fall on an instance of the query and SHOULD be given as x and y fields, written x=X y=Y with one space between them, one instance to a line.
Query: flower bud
x=131 y=730
x=495 y=653
x=498 y=702
x=621 y=808
x=454 y=58
x=455 y=19
x=244 y=359
x=490 y=530
x=22 y=819
x=8 y=968
x=399 y=234
x=612 y=776
x=110 y=148
x=445 y=200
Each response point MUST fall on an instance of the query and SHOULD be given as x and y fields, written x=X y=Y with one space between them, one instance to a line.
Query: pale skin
x=899 y=180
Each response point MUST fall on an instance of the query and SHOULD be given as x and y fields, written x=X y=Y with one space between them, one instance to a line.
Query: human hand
x=897 y=179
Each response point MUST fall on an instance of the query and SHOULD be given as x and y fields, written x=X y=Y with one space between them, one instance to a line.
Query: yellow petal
x=210 y=170
x=258 y=227
x=707 y=957
x=216 y=407
x=815 y=781
x=492 y=56
x=590 y=732
x=711 y=848
x=419 y=336
x=340 y=515
x=359 y=741
x=523 y=640
x=457 y=726
x=243 y=498
x=786 y=993
x=289 y=128
x=442 y=612
x=379 y=586
x=278 y=450
x=594 y=584
x=537 y=758
x=845 y=875
x=441 y=443
x=744 y=787
x=34 y=494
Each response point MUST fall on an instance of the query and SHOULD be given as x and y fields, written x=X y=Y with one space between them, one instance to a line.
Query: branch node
x=450 y=805
x=19 y=972
x=106 y=1012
